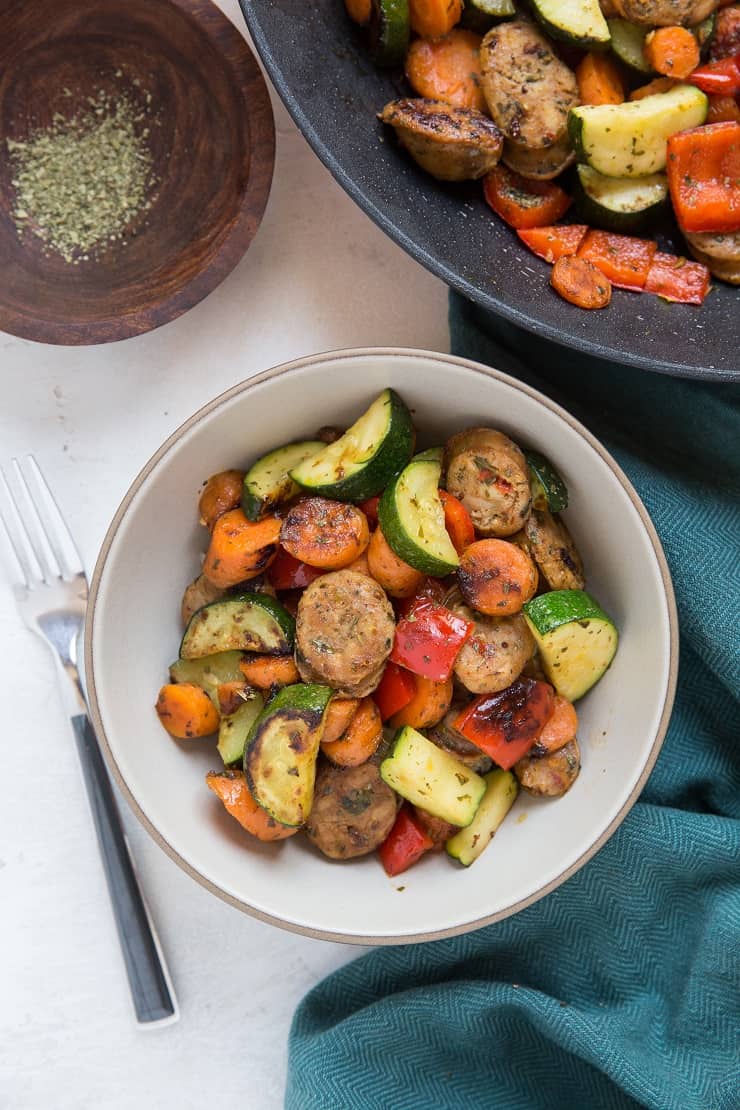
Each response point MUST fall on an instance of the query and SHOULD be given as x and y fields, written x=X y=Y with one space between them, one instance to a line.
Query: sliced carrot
x=432 y=18
x=361 y=564
x=723 y=109
x=264 y=671
x=448 y=69
x=460 y=527
x=338 y=716
x=672 y=51
x=231 y=695
x=324 y=533
x=658 y=85
x=186 y=711
x=522 y=202
x=496 y=577
x=222 y=492
x=599 y=80
x=561 y=728
x=624 y=259
x=552 y=243
x=231 y=787
x=240 y=549
x=396 y=577
x=361 y=738
x=581 y=283
x=428 y=705
x=359 y=10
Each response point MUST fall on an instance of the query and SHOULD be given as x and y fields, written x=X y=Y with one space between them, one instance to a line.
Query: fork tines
x=38 y=535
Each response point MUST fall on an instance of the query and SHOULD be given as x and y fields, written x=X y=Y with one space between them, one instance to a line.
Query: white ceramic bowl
x=153 y=549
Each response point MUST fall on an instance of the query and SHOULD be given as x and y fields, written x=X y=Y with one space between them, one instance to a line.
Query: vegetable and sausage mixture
x=387 y=645
x=633 y=105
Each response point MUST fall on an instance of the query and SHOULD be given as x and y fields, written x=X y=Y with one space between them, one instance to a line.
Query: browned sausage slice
x=489 y=474
x=551 y=775
x=495 y=654
x=353 y=811
x=665 y=13
x=551 y=546
x=452 y=144
x=720 y=252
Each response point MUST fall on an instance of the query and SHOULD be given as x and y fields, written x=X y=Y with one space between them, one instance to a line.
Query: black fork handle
x=152 y=996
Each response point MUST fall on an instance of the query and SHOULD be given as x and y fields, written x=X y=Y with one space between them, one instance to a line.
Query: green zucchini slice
x=549 y=491
x=469 y=843
x=576 y=639
x=431 y=778
x=627 y=42
x=580 y=22
x=281 y=750
x=389 y=32
x=362 y=461
x=480 y=15
x=629 y=140
x=619 y=203
x=235 y=728
x=412 y=518
x=268 y=482
x=245 y=622
x=209 y=672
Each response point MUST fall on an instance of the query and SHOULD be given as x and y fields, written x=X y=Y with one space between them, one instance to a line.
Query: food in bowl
x=626 y=93
x=388 y=644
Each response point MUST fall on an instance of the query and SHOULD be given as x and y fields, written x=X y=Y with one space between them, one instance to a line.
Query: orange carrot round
x=359 y=10
x=672 y=51
x=396 y=577
x=360 y=740
x=496 y=577
x=581 y=283
x=240 y=549
x=231 y=787
x=338 y=716
x=186 y=711
x=324 y=533
x=448 y=69
x=221 y=493
x=432 y=18
x=599 y=80
x=561 y=728
x=231 y=697
x=428 y=705
x=264 y=671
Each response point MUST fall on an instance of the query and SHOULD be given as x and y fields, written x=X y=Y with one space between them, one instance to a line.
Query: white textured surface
x=318 y=276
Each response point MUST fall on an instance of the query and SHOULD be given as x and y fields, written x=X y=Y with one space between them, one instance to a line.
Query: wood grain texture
x=213 y=153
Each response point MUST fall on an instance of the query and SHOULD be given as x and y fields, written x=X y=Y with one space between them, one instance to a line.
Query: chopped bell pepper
x=677 y=279
x=288 y=573
x=506 y=725
x=429 y=639
x=405 y=844
x=459 y=526
x=720 y=78
x=522 y=202
x=552 y=243
x=431 y=592
x=394 y=691
x=704 y=177
x=624 y=259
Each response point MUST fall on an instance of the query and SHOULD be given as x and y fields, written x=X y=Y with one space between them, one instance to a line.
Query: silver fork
x=52 y=599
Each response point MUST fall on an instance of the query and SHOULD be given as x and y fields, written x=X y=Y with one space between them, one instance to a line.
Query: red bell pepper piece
x=506 y=725
x=720 y=78
x=704 y=177
x=405 y=844
x=288 y=573
x=428 y=640
x=394 y=691
x=552 y=243
x=431 y=592
x=522 y=202
x=459 y=526
x=370 y=509
x=677 y=279
x=624 y=259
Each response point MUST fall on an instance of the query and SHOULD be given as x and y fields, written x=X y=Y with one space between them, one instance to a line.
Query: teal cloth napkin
x=621 y=988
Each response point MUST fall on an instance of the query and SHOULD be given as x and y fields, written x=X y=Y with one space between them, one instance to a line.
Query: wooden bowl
x=212 y=151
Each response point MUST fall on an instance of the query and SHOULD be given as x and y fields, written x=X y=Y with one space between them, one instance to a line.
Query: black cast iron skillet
x=333 y=91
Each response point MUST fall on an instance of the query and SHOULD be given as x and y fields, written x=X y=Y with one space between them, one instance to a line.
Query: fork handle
x=152 y=996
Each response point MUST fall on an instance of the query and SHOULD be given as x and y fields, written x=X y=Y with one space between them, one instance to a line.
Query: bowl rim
x=225 y=398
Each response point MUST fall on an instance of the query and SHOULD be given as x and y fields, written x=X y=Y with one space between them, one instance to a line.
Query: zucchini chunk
x=412 y=517
x=209 y=672
x=619 y=203
x=389 y=31
x=576 y=639
x=469 y=843
x=268 y=482
x=627 y=42
x=580 y=22
x=549 y=491
x=235 y=728
x=244 y=622
x=629 y=140
x=360 y=463
x=480 y=15
x=281 y=750
x=432 y=779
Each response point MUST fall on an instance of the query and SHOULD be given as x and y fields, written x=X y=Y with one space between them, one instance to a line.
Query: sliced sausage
x=726 y=39
x=665 y=13
x=540 y=165
x=489 y=474
x=344 y=632
x=528 y=89
x=552 y=548
x=446 y=736
x=551 y=775
x=199 y=593
x=452 y=144
x=495 y=654
x=353 y=811
x=720 y=252
x=437 y=829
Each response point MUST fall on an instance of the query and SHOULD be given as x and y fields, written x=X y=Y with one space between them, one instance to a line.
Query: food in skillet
x=615 y=111
x=387 y=645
